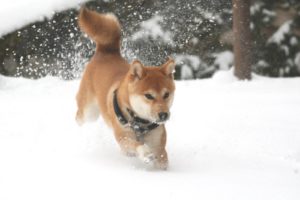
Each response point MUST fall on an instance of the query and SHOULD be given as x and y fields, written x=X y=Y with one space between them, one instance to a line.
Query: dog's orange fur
x=108 y=71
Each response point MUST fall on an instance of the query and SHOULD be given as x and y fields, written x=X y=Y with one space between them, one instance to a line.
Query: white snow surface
x=15 y=14
x=226 y=140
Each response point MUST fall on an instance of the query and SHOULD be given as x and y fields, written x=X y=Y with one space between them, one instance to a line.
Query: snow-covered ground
x=226 y=140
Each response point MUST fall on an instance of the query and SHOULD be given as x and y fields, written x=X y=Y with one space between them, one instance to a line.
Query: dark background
x=200 y=29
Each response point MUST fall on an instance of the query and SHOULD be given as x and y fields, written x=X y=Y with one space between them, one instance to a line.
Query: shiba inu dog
x=133 y=99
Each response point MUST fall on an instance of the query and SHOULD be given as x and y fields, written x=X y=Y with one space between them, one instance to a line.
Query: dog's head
x=151 y=90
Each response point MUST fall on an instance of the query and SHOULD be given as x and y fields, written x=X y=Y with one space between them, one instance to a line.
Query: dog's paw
x=79 y=120
x=149 y=158
x=161 y=165
x=145 y=154
x=129 y=153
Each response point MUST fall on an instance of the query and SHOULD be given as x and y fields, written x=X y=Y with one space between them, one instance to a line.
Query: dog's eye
x=167 y=94
x=149 y=96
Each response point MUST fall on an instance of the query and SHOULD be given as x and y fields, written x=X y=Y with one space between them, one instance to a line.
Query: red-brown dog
x=133 y=99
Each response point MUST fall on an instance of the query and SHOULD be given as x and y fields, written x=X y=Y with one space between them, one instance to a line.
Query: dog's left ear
x=169 y=67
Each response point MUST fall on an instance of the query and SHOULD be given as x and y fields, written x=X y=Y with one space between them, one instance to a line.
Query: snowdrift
x=226 y=140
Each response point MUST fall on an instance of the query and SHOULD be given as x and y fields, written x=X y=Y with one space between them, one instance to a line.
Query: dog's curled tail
x=104 y=29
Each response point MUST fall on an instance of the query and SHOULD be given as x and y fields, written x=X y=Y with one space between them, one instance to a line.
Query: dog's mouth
x=160 y=122
x=163 y=118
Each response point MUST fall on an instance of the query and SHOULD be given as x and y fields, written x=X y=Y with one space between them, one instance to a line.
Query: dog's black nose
x=163 y=116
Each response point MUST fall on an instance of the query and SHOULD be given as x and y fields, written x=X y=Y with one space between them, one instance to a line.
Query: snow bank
x=18 y=13
x=189 y=63
x=226 y=140
x=224 y=60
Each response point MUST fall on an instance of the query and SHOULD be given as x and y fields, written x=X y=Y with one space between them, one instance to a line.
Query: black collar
x=139 y=126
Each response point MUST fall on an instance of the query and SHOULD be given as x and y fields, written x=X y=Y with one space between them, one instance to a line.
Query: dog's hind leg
x=88 y=109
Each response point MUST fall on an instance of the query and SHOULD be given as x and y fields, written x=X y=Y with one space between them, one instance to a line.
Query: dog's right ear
x=137 y=69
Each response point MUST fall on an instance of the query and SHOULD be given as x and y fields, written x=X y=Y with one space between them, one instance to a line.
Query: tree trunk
x=242 y=39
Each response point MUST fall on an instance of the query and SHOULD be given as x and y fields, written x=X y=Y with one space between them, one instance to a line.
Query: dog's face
x=151 y=90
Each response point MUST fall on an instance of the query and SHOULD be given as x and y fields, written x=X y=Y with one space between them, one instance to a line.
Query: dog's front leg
x=132 y=147
x=145 y=153
x=161 y=161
